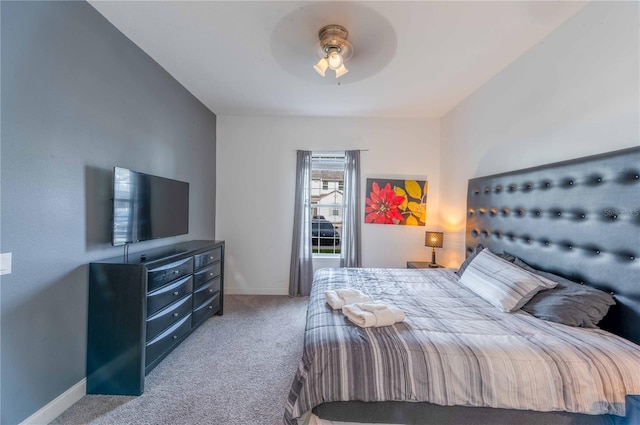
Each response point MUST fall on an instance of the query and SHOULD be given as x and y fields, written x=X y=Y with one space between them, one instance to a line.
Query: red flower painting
x=400 y=202
x=382 y=205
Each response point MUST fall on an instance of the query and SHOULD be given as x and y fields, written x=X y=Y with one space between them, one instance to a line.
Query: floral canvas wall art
x=396 y=202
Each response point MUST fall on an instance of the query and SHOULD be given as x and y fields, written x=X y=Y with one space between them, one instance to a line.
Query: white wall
x=256 y=159
x=574 y=94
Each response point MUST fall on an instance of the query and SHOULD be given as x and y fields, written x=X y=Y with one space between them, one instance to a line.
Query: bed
x=456 y=355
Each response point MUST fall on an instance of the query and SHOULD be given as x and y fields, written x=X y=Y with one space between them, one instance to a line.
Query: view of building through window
x=327 y=186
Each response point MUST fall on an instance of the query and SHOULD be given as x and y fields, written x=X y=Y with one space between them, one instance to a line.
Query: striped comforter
x=455 y=349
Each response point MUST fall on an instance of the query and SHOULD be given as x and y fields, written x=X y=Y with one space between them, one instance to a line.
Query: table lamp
x=434 y=240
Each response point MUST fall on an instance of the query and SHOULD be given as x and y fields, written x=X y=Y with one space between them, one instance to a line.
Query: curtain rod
x=332 y=150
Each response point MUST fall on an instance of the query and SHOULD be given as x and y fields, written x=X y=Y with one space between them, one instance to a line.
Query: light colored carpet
x=235 y=369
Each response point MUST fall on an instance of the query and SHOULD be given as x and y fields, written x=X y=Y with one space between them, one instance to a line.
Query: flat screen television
x=147 y=207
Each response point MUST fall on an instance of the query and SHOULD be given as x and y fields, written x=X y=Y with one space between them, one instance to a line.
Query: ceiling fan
x=333 y=49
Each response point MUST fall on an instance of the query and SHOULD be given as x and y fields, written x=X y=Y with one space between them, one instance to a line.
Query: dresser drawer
x=203 y=276
x=207 y=310
x=157 y=346
x=162 y=275
x=167 y=316
x=206 y=292
x=164 y=296
x=208 y=257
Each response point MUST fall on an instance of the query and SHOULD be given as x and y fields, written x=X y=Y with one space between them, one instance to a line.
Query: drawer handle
x=210 y=307
x=211 y=257
x=211 y=291
x=175 y=337
x=176 y=293
x=210 y=273
x=176 y=314
x=176 y=271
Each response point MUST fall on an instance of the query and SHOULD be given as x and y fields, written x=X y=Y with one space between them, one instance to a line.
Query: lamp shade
x=321 y=66
x=433 y=239
x=341 y=71
x=335 y=59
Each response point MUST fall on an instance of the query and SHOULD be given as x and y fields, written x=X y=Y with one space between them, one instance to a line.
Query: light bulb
x=335 y=59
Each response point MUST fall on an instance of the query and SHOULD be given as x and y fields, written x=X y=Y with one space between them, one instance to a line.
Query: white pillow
x=502 y=283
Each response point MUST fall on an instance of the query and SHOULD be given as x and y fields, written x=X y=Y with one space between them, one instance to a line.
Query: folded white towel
x=376 y=314
x=340 y=297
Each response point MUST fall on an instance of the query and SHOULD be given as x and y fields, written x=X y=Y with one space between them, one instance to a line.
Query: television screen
x=148 y=207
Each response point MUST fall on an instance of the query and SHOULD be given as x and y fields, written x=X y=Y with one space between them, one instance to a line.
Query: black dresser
x=143 y=305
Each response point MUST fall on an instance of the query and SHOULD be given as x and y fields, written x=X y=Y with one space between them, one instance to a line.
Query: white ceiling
x=413 y=58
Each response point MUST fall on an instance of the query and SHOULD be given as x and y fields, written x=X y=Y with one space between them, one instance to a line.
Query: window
x=327 y=177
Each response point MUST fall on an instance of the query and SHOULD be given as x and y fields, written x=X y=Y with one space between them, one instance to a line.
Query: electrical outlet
x=5 y=263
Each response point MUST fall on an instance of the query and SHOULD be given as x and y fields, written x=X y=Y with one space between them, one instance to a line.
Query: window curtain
x=351 y=253
x=301 y=270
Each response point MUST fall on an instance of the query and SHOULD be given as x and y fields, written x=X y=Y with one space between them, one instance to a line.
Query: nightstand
x=421 y=265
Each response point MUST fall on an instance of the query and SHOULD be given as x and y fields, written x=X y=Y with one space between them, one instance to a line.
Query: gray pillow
x=569 y=302
x=501 y=283
x=470 y=258
x=479 y=248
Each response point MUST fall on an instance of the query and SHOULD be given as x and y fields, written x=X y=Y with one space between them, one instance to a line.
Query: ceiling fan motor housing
x=333 y=36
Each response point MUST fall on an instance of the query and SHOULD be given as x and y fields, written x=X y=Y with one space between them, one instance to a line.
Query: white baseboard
x=61 y=403
x=231 y=290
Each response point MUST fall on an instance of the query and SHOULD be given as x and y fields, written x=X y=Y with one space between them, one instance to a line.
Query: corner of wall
x=61 y=403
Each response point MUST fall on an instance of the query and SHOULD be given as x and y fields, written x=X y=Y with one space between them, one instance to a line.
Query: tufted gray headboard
x=578 y=218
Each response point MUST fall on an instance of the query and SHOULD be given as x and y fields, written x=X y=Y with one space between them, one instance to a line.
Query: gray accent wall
x=78 y=98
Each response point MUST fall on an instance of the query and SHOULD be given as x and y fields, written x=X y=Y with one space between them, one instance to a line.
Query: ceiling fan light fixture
x=341 y=71
x=334 y=58
x=321 y=66
x=333 y=49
